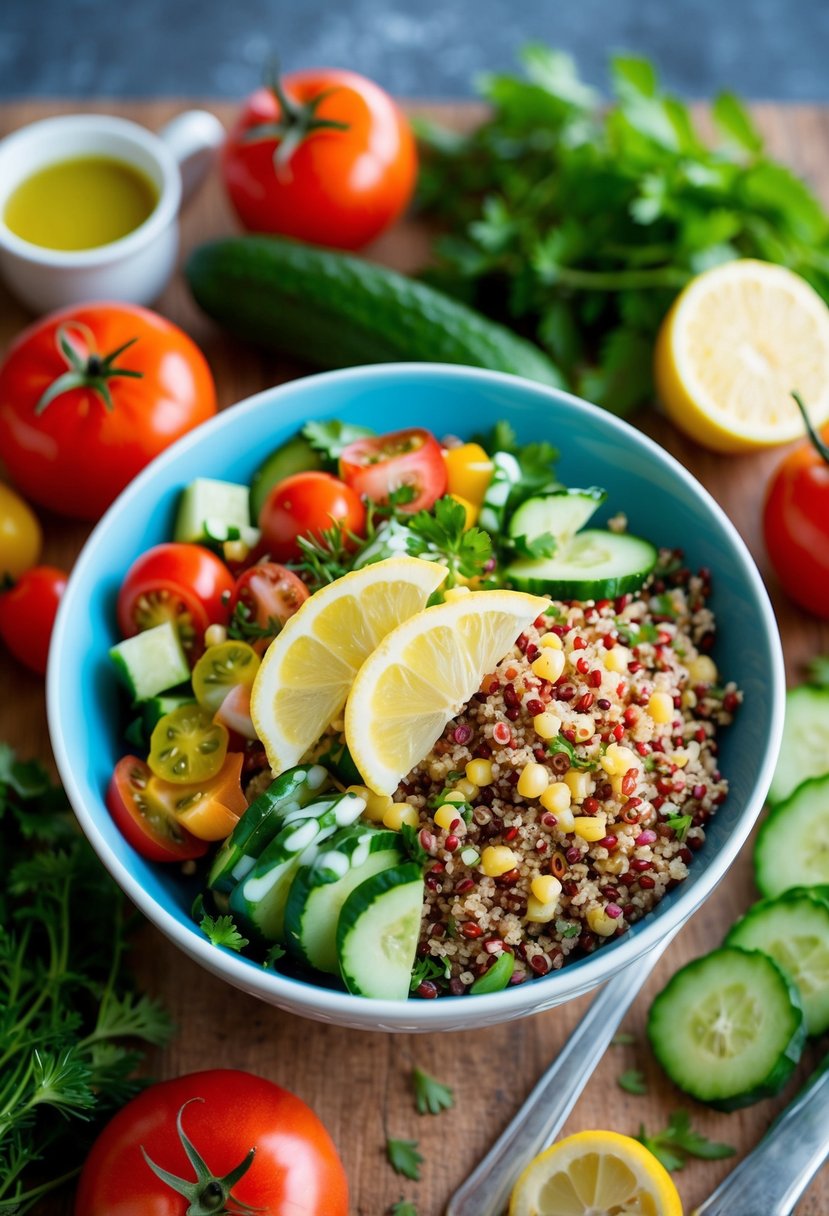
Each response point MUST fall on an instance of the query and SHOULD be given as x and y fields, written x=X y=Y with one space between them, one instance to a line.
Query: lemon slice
x=595 y=1174
x=423 y=673
x=308 y=669
x=736 y=342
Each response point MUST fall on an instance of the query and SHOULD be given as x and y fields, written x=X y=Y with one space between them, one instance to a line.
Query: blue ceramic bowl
x=661 y=500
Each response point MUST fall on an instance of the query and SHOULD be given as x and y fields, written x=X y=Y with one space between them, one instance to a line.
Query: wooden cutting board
x=358 y=1082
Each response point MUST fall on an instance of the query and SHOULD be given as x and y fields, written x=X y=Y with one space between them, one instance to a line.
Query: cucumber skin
x=359 y=902
x=332 y=310
x=784 y=1066
x=294 y=456
x=584 y=589
x=778 y=811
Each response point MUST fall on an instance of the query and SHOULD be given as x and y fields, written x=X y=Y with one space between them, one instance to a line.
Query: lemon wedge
x=595 y=1174
x=736 y=342
x=305 y=676
x=423 y=673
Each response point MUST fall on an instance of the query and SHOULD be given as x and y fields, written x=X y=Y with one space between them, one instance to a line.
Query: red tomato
x=182 y=583
x=375 y=467
x=796 y=523
x=146 y=825
x=27 y=615
x=269 y=594
x=325 y=157
x=307 y=503
x=62 y=444
x=295 y=1170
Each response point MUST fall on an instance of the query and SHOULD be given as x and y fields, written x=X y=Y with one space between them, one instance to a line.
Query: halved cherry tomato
x=27 y=615
x=211 y=809
x=308 y=504
x=220 y=669
x=234 y=712
x=20 y=536
x=145 y=823
x=187 y=746
x=182 y=583
x=266 y=595
x=376 y=467
x=469 y=471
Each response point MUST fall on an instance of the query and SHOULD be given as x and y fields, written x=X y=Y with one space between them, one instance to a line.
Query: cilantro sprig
x=678 y=1141
x=222 y=931
x=404 y=1158
x=431 y=1097
x=441 y=535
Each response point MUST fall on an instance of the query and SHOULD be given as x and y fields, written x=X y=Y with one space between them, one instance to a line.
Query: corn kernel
x=545 y=888
x=566 y=819
x=549 y=665
x=454 y=796
x=470 y=510
x=600 y=922
x=338 y=725
x=617 y=760
x=617 y=659
x=446 y=815
x=479 y=772
x=533 y=781
x=376 y=804
x=689 y=699
x=540 y=913
x=497 y=859
x=584 y=727
x=579 y=783
x=214 y=635
x=455 y=593
x=468 y=788
x=680 y=759
x=590 y=827
x=551 y=640
x=546 y=725
x=661 y=708
x=703 y=670
x=235 y=550
x=398 y=814
x=556 y=798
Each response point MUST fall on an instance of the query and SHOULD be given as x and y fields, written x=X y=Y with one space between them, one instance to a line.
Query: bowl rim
x=327 y=1004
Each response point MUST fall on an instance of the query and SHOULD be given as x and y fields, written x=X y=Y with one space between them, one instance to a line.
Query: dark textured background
x=430 y=48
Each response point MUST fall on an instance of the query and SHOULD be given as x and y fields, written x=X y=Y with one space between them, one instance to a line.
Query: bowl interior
x=661 y=501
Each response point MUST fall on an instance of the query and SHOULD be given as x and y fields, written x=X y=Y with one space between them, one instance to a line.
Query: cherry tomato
x=182 y=583
x=220 y=669
x=234 y=713
x=268 y=595
x=376 y=467
x=89 y=395
x=27 y=615
x=211 y=809
x=796 y=523
x=307 y=504
x=20 y=536
x=224 y=1114
x=187 y=746
x=326 y=157
x=146 y=824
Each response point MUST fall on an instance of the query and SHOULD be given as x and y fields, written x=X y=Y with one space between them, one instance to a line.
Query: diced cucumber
x=151 y=662
x=391 y=540
x=805 y=749
x=562 y=514
x=155 y=708
x=595 y=565
x=294 y=456
x=793 y=930
x=320 y=889
x=792 y=847
x=506 y=473
x=259 y=899
x=728 y=1028
x=378 y=932
x=214 y=510
x=262 y=821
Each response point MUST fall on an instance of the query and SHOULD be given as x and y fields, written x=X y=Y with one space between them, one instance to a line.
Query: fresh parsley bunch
x=577 y=223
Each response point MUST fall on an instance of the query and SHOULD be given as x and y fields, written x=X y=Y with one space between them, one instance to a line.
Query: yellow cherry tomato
x=20 y=536
x=187 y=746
x=469 y=472
x=222 y=668
x=470 y=509
x=210 y=810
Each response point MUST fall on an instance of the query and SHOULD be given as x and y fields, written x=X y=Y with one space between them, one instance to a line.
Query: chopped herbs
x=403 y=1208
x=679 y=1141
x=411 y=842
x=428 y=968
x=680 y=825
x=330 y=436
x=632 y=1081
x=560 y=744
x=326 y=556
x=243 y=626
x=222 y=931
x=404 y=1158
x=441 y=535
x=543 y=545
x=275 y=953
x=568 y=928
x=431 y=1097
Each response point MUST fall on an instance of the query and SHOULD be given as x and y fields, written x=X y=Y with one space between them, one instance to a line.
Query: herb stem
x=619 y=280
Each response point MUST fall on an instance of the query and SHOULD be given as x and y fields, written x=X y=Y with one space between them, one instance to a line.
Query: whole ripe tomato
x=376 y=467
x=796 y=522
x=307 y=504
x=20 y=536
x=324 y=156
x=182 y=583
x=225 y=1114
x=27 y=615
x=89 y=395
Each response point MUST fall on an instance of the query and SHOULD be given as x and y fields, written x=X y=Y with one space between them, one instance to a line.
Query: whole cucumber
x=332 y=310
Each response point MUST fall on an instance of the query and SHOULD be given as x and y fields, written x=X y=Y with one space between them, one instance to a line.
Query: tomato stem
x=817 y=443
x=85 y=369
x=296 y=122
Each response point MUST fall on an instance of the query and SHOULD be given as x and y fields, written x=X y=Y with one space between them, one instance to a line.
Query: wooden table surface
x=357 y=1082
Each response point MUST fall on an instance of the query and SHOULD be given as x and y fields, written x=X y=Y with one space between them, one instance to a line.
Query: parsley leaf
x=560 y=744
x=439 y=535
x=330 y=436
x=632 y=1081
x=411 y=843
x=404 y=1158
x=429 y=968
x=430 y=1096
x=680 y=824
x=403 y=1208
x=274 y=954
x=818 y=671
x=567 y=928
x=222 y=931
x=245 y=628
x=679 y=1141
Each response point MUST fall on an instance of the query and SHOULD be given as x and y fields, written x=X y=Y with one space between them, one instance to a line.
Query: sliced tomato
x=210 y=810
x=182 y=583
x=234 y=712
x=220 y=669
x=264 y=597
x=187 y=746
x=377 y=467
x=143 y=820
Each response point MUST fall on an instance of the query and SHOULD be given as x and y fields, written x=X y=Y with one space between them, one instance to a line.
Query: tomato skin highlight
x=376 y=467
x=131 y=779
x=796 y=527
x=21 y=538
x=27 y=615
x=295 y=1172
x=307 y=503
x=76 y=456
x=340 y=188
x=268 y=592
x=188 y=574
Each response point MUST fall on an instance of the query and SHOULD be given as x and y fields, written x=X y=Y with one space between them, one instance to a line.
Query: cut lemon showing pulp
x=423 y=673
x=595 y=1174
x=736 y=343
x=308 y=669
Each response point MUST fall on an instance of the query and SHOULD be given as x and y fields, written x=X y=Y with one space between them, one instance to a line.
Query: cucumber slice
x=792 y=846
x=506 y=473
x=805 y=750
x=596 y=565
x=793 y=930
x=262 y=821
x=319 y=890
x=295 y=456
x=151 y=662
x=259 y=899
x=728 y=1029
x=562 y=513
x=378 y=932
x=214 y=510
